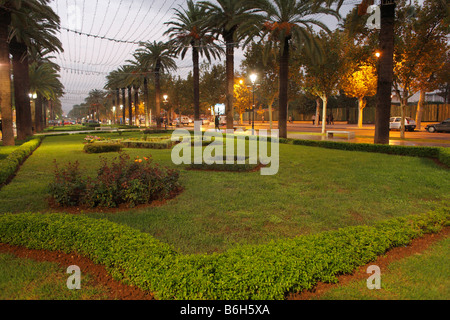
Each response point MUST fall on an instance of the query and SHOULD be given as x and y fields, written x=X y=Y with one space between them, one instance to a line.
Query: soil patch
x=416 y=246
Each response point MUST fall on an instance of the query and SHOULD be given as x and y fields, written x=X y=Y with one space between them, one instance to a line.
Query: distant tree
x=360 y=84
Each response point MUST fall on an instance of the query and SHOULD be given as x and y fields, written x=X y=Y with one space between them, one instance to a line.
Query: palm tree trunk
x=420 y=109
x=5 y=81
x=196 y=83
x=38 y=113
x=130 y=110
x=118 y=102
x=136 y=105
x=385 y=72
x=283 y=92
x=229 y=65
x=147 y=102
x=123 y=106
x=157 y=98
x=21 y=90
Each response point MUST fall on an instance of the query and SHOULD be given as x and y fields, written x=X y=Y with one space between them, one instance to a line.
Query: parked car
x=204 y=121
x=444 y=126
x=395 y=123
x=184 y=120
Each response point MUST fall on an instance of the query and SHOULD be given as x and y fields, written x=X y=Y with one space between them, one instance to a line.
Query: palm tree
x=29 y=29
x=290 y=22
x=189 y=31
x=157 y=58
x=231 y=19
x=44 y=81
x=7 y=9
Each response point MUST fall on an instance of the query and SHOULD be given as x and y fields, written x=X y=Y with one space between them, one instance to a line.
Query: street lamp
x=165 y=106
x=114 y=112
x=253 y=77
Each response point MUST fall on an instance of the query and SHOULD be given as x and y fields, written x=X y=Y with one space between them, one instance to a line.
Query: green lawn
x=423 y=276
x=26 y=279
x=315 y=190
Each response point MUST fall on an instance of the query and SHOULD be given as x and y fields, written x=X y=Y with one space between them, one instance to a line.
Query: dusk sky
x=98 y=36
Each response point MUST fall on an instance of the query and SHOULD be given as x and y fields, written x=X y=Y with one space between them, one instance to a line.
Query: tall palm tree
x=189 y=31
x=288 y=23
x=231 y=19
x=119 y=80
x=157 y=58
x=45 y=82
x=7 y=9
x=28 y=30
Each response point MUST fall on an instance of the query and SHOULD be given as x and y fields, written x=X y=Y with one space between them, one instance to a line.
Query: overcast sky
x=98 y=36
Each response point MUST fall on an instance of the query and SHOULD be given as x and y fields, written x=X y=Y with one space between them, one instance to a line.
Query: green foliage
x=10 y=164
x=266 y=271
x=152 y=144
x=414 y=151
x=121 y=181
x=100 y=147
x=444 y=156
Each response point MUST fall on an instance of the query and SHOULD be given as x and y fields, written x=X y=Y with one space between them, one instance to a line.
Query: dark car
x=444 y=126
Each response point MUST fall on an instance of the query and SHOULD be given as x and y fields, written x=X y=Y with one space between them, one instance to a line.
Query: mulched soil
x=418 y=245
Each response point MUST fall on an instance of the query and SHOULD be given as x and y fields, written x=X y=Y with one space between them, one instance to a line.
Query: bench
x=350 y=134
x=106 y=128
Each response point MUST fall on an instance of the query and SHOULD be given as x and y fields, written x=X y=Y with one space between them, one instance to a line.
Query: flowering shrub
x=120 y=182
x=91 y=139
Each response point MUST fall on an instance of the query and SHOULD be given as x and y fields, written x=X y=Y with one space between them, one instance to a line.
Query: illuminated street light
x=253 y=77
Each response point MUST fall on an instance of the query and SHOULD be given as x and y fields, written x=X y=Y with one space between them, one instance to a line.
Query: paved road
x=306 y=130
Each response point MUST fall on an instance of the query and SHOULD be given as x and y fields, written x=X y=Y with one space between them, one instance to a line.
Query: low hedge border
x=101 y=147
x=440 y=153
x=11 y=163
x=162 y=144
x=267 y=271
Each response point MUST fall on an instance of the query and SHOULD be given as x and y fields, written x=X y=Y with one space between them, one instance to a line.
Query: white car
x=184 y=120
x=395 y=123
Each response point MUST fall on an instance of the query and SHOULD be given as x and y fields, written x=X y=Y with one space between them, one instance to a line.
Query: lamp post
x=33 y=97
x=253 y=80
x=165 y=108
x=114 y=113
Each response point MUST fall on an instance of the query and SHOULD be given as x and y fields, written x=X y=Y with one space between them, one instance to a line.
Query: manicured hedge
x=267 y=271
x=10 y=164
x=160 y=144
x=440 y=153
x=100 y=147
x=444 y=156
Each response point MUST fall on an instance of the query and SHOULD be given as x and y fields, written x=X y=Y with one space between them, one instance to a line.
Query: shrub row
x=10 y=164
x=100 y=147
x=161 y=144
x=440 y=153
x=266 y=271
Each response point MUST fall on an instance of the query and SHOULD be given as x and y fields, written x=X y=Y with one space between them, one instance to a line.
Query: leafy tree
x=212 y=84
x=420 y=38
x=322 y=76
x=360 y=84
